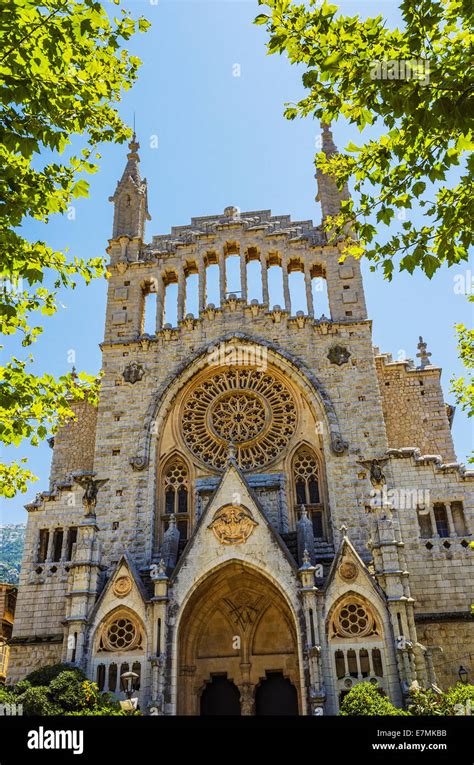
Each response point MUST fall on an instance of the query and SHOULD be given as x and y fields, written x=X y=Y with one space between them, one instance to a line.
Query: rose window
x=238 y=417
x=121 y=635
x=253 y=410
x=354 y=620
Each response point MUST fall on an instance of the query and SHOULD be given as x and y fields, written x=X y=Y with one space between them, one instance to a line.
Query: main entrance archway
x=236 y=629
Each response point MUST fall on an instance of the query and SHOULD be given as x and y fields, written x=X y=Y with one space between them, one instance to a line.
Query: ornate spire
x=328 y=194
x=423 y=354
x=130 y=198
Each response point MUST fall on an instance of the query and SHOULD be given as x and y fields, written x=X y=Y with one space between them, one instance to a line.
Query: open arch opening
x=276 y=695
x=237 y=626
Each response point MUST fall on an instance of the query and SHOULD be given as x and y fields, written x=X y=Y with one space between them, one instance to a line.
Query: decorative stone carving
x=243 y=608
x=122 y=586
x=91 y=486
x=338 y=355
x=348 y=571
x=133 y=372
x=253 y=409
x=139 y=462
x=305 y=538
x=121 y=633
x=423 y=354
x=232 y=525
x=247 y=699
x=338 y=445
x=377 y=477
x=353 y=619
x=169 y=548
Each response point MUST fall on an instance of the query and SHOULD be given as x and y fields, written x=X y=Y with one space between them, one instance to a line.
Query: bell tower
x=130 y=198
x=329 y=196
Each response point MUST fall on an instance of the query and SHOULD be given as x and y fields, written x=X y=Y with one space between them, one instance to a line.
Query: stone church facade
x=263 y=510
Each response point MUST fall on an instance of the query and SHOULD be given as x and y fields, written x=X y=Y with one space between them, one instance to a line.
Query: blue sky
x=223 y=140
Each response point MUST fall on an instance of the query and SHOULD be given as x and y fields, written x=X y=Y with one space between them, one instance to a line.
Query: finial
x=327 y=142
x=162 y=567
x=343 y=530
x=74 y=374
x=423 y=354
x=231 y=451
x=306 y=558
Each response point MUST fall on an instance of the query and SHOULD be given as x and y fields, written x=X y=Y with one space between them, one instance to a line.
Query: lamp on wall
x=463 y=674
x=127 y=682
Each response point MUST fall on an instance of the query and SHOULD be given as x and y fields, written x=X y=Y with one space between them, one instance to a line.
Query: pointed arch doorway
x=236 y=629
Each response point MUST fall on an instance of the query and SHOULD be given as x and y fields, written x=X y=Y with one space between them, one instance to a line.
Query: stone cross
x=423 y=355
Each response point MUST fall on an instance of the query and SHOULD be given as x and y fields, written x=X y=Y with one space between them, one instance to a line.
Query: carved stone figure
x=91 y=486
x=232 y=525
x=133 y=372
x=338 y=355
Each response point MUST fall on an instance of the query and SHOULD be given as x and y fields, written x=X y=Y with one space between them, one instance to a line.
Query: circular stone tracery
x=238 y=417
x=354 y=620
x=253 y=410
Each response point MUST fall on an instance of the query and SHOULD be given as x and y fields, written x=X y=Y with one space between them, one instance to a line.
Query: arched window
x=319 y=289
x=176 y=496
x=357 y=646
x=307 y=489
x=121 y=632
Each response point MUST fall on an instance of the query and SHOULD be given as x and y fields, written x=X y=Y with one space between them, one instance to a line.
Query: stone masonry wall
x=441 y=569
x=414 y=408
x=74 y=443
x=25 y=658
x=41 y=604
x=456 y=638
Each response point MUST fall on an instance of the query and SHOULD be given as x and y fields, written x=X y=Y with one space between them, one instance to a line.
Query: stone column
x=434 y=529
x=64 y=545
x=308 y=590
x=371 y=663
x=160 y=303
x=243 y=276
x=449 y=516
x=263 y=263
x=181 y=294
x=222 y=276
x=247 y=699
x=286 y=287
x=202 y=285
x=85 y=572
x=49 y=551
x=158 y=657
x=309 y=290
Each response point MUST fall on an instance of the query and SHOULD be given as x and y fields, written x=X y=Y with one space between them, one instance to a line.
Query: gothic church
x=263 y=510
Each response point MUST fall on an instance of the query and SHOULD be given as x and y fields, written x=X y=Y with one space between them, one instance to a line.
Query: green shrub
x=37 y=701
x=44 y=675
x=365 y=699
x=67 y=690
x=460 y=694
x=425 y=701
x=7 y=695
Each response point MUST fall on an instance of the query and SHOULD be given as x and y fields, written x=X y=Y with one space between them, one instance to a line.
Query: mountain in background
x=12 y=539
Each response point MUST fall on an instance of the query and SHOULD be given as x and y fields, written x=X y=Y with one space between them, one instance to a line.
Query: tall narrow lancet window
x=192 y=293
x=275 y=286
x=171 y=302
x=149 y=313
x=254 y=281
x=297 y=291
x=176 y=496
x=212 y=285
x=320 y=293
x=307 y=489
x=232 y=273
